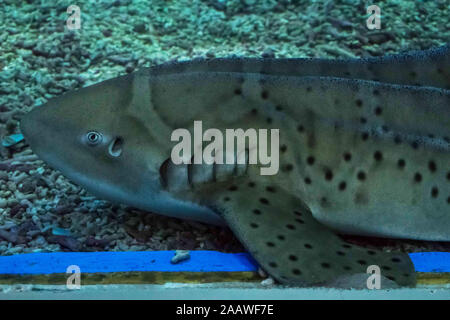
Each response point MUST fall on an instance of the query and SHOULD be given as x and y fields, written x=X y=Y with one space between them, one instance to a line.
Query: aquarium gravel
x=41 y=211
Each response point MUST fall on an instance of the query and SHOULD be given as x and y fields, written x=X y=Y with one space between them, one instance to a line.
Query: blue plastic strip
x=431 y=261
x=200 y=261
x=90 y=262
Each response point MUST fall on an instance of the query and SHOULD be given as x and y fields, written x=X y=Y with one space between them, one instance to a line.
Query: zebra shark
x=364 y=150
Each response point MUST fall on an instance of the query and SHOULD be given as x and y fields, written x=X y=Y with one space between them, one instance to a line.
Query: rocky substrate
x=41 y=211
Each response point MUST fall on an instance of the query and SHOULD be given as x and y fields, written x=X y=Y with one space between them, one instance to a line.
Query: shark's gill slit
x=115 y=147
x=163 y=172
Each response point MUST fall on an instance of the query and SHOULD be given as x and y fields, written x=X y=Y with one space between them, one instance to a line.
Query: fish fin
x=280 y=233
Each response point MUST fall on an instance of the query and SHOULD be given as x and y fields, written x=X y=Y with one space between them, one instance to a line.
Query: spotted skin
x=364 y=149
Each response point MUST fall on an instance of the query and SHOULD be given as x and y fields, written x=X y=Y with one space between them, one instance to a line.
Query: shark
x=364 y=149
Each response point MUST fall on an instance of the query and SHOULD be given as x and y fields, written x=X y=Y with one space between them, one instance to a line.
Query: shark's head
x=96 y=137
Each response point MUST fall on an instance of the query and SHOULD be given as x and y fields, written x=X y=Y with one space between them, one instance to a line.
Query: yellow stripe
x=180 y=277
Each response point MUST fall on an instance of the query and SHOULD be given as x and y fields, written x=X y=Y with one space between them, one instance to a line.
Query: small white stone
x=268 y=282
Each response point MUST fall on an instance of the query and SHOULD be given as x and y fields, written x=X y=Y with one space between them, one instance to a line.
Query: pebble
x=268 y=282
x=180 y=255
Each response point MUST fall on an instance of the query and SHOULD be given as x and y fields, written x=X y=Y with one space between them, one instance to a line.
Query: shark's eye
x=93 y=138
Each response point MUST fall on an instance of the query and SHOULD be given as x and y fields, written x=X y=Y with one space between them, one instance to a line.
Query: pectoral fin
x=280 y=232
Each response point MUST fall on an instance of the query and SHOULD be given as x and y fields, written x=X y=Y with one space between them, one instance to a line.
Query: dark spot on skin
x=362 y=262
x=413 y=74
x=328 y=175
x=251 y=184
x=296 y=272
x=310 y=160
x=273 y=264
x=340 y=253
x=232 y=188
x=359 y=103
x=237 y=91
x=307 y=180
x=415 y=145
x=376 y=92
x=336 y=101
x=325 y=265
x=281 y=237
x=434 y=192
x=342 y=186
x=300 y=221
x=308 y=89
x=226 y=199
x=387 y=268
x=290 y=227
x=397 y=140
x=293 y=258
x=288 y=167
x=432 y=166
x=346 y=246
x=271 y=189
x=448 y=176
x=347 y=268
x=283 y=148
x=278 y=108
x=307 y=246
x=265 y=94
x=256 y=211
x=371 y=252
x=264 y=201
x=361 y=198
x=347 y=73
x=300 y=128
x=298 y=213
x=417 y=177
x=448 y=200
x=391 y=278
x=378 y=111
x=363 y=120
x=401 y=163
x=254 y=111
x=253 y=225
x=347 y=156
x=361 y=176
x=270 y=244
x=378 y=156
x=365 y=136
x=396 y=260
x=384 y=128
x=269 y=120
x=324 y=202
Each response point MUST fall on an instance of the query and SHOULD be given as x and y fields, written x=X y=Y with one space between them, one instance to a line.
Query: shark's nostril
x=115 y=147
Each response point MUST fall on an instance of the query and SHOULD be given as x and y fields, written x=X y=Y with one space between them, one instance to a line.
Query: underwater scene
x=278 y=144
